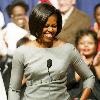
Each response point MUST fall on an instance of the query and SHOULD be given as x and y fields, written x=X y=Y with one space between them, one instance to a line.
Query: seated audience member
x=87 y=43
x=96 y=26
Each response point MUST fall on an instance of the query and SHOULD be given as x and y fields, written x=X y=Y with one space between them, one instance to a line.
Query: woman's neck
x=43 y=44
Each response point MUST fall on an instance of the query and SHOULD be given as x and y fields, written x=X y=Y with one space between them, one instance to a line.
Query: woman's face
x=50 y=29
x=86 y=45
x=19 y=16
x=97 y=15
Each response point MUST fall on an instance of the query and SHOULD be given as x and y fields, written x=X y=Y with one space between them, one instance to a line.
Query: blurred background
x=84 y=5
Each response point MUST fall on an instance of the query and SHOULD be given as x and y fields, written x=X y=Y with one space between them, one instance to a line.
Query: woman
x=44 y=61
x=87 y=44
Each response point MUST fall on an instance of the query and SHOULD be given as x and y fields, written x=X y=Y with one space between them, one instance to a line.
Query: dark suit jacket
x=76 y=21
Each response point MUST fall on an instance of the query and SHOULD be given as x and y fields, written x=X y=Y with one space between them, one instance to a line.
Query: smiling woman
x=45 y=23
x=17 y=11
x=49 y=31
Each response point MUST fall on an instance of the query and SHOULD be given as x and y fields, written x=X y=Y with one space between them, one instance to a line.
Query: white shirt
x=2 y=22
x=11 y=34
x=54 y=3
x=3 y=48
x=66 y=15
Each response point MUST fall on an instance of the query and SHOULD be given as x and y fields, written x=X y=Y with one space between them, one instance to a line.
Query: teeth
x=48 y=35
x=20 y=21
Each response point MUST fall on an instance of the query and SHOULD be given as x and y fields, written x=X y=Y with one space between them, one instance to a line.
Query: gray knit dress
x=41 y=84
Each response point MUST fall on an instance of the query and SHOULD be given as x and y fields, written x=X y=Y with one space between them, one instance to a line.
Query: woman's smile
x=50 y=29
x=49 y=35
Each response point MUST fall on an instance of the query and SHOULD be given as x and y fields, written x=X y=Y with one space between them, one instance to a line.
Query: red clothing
x=42 y=1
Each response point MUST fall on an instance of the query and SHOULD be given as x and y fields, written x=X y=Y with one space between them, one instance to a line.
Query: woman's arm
x=84 y=72
x=16 y=76
x=85 y=94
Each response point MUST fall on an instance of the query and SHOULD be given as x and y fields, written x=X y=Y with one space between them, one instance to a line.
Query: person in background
x=14 y=31
x=2 y=89
x=54 y=3
x=18 y=27
x=87 y=44
x=3 y=51
x=2 y=44
x=44 y=61
x=22 y=41
x=96 y=26
x=2 y=21
x=73 y=20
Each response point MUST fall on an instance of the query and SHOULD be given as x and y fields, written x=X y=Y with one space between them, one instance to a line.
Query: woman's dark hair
x=39 y=17
x=84 y=32
x=96 y=7
x=15 y=3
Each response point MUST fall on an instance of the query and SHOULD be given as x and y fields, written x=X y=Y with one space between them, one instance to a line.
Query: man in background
x=73 y=20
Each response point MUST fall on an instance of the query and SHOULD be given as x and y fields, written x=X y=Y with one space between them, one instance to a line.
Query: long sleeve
x=82 y=69
x=16 y=76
